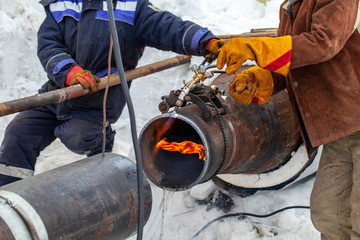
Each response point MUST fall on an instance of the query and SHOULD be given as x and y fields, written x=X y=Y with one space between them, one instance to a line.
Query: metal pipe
x=248 y=139
x=94 y=198
x=75 y=91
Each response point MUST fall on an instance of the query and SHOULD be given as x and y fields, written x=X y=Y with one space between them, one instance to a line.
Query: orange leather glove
x=273 y=54
x=77 y=75
x=213 y=47
x=252 y=85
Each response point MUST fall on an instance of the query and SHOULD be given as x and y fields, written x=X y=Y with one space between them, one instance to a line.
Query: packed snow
x=175 y=215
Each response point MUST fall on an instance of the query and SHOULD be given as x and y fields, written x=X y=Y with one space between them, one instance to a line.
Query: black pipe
x=93 y=198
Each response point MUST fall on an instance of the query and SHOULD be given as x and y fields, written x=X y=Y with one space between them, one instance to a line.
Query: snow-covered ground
x=175 y=215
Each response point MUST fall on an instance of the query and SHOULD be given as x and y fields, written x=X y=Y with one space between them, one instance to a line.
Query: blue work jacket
x=76 y=32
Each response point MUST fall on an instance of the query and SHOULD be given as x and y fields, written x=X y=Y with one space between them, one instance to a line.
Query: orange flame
x=185 y=147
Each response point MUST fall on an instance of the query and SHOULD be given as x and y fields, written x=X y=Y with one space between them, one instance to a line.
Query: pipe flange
x=164 y=107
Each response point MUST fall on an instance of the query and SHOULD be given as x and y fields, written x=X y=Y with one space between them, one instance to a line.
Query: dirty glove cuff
x=213 y=47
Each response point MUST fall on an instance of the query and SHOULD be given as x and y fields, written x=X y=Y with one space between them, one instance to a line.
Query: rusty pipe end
x=173 y=170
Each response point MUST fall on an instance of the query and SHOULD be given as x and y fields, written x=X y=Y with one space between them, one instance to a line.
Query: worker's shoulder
x=47 y=2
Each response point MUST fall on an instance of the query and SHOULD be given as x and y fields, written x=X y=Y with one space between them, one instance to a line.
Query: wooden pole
x=75 y=91
x=263 y=32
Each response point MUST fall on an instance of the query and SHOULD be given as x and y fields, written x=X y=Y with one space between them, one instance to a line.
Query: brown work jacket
x=324 y=78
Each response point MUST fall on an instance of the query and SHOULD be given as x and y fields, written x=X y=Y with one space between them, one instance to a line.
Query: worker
x=315 y=57
x=73 y=47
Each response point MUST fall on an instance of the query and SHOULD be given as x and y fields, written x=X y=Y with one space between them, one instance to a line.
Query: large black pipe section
x=248 y=139
x=94 y=198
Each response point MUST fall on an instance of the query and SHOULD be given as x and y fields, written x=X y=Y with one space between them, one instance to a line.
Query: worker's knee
x=332 y=221
x=4 y=179
x=319 y=213
x=84 y=137
x=330 y=198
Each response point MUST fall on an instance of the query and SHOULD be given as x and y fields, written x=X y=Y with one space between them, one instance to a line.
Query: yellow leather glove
x=273 y=54
x=252 y=85
x=213 y=48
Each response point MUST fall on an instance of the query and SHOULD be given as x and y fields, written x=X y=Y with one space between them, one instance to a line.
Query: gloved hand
x=252 y=85
x=273 y=54
x=84 y=77
x=213 y=47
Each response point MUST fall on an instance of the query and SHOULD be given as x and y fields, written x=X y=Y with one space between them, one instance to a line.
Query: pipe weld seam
x=27 y=213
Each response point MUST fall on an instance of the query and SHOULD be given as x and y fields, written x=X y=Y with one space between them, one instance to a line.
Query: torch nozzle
x=182 y=96
x=200 y=75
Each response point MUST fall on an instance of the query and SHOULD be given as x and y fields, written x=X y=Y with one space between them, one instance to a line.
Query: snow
x=175 y=215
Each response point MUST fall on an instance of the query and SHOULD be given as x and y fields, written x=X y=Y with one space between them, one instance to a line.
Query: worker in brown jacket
x=316 y=57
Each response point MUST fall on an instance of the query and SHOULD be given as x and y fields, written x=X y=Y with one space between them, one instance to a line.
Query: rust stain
x=130 y=199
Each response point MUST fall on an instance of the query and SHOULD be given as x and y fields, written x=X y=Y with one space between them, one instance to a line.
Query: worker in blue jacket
x=73 y=46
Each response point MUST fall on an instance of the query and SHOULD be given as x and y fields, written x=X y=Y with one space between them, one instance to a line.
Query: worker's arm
x=165 y=31
x=333 y=23
x=61 y=68
x=53 y=54
x=279 y=82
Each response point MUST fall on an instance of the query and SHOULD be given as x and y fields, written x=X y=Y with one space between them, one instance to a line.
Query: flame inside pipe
x=250 y=139
x=185 y=147
x=172 y=169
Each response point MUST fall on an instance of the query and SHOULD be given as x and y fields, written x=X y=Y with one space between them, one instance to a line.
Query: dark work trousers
x=33 y=130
